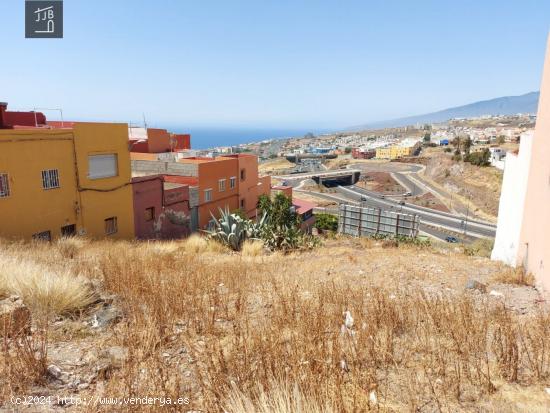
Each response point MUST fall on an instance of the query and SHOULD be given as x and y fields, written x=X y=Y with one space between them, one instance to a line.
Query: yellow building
x=405 y=148
x=75 y=180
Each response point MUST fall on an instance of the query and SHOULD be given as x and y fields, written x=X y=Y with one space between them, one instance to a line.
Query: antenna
x=144 y=121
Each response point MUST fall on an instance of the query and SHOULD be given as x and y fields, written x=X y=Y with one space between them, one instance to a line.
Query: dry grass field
x=274 y=166
x=352 y=326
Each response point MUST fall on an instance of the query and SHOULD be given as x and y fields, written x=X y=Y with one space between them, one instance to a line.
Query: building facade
x=524 y=219
x=161 y=208
x=65 y=181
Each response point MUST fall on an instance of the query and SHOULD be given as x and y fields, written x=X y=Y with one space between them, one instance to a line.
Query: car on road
x=401 y=202
x=452 y=240
x=382 y=197
x=364 y=199
x=408 y=193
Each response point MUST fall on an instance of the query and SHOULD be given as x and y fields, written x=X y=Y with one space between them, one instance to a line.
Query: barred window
x=4 y=186
x=43 y=236
x=111 y=226
x=50 y=179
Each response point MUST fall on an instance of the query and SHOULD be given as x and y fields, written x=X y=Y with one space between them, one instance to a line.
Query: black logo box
x=43 y=19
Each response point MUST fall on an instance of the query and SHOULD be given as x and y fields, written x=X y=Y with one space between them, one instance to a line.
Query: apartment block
x=407 y=147
x=223 y=182
x=63 y=181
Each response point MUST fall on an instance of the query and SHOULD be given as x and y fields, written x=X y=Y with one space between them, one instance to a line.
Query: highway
x=432 y=222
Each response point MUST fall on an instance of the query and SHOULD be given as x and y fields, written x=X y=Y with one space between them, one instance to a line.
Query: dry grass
x=197 y=244
x=280 y=397
x=515 y=276
x=45 y=291
x=232 y=328
x=252 y=248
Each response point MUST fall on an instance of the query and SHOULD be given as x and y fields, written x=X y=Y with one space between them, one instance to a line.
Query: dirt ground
x=479 y=186
x=428 y=200
x=380 y=182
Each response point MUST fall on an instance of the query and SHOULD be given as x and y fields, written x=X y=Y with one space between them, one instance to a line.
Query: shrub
x=327 y=222
x=479 y=158
x=481 y=247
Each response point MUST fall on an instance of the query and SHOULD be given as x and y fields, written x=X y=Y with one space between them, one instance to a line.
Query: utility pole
x=467 y=211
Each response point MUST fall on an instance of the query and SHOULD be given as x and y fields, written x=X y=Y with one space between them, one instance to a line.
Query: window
x=221 y=185
x=50 y=179
x=232 y=182
x=68 y=230
x=102 y=166
x=207 y=195
x=4 y=186
x=149 y=214
x=43 y=236
x=243 y=174
x=243 y=204
x=111 y=226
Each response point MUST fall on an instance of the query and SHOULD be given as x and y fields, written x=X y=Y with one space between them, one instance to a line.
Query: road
x=433 y=222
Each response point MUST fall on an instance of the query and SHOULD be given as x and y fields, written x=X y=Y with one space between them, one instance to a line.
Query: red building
x=11 y=120
x=358 y=153
x=161 y=208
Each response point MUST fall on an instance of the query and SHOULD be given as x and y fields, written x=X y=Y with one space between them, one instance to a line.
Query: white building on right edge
x=523 y=232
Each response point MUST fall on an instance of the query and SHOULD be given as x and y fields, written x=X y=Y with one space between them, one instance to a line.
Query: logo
x=43 y=19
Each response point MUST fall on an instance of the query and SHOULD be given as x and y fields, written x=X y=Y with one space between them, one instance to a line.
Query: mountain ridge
x=505 y=105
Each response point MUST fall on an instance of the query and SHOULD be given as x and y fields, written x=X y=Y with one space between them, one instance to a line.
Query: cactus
x=229 y=229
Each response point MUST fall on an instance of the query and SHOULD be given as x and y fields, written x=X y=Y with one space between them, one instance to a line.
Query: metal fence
x=365 y=221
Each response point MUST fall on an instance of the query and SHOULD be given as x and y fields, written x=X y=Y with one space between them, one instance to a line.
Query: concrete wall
x=141 y=168
x=511 y=206
x=534 y=248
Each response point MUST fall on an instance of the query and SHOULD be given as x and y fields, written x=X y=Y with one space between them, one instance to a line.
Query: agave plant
x=229 y=229
x=256 y=229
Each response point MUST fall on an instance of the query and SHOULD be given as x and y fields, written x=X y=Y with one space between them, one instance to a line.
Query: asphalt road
x=432 y=222
x=430 y=216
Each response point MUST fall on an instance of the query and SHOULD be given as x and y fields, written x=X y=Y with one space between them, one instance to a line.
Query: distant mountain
x=507 y=105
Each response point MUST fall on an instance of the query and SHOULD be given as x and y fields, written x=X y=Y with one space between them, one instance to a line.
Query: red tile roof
x=302 y=206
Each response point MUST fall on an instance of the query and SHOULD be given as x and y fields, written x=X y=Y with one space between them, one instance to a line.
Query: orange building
x=152 y=140
x=224 y=182
x=217 y=186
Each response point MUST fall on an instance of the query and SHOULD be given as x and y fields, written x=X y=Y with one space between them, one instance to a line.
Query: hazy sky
x=272 y=64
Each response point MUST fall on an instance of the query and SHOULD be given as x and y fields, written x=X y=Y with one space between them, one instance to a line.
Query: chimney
x=3 y=107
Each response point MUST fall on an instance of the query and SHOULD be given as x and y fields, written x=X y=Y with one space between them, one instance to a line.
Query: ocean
x=205 y=137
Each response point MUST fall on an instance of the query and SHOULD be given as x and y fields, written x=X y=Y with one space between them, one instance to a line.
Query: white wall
x=512 y=202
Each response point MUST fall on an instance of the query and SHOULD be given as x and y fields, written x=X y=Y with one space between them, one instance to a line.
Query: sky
x=277 y=64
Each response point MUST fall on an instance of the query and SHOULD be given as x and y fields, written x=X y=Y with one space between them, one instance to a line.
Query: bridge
x=327 y=178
